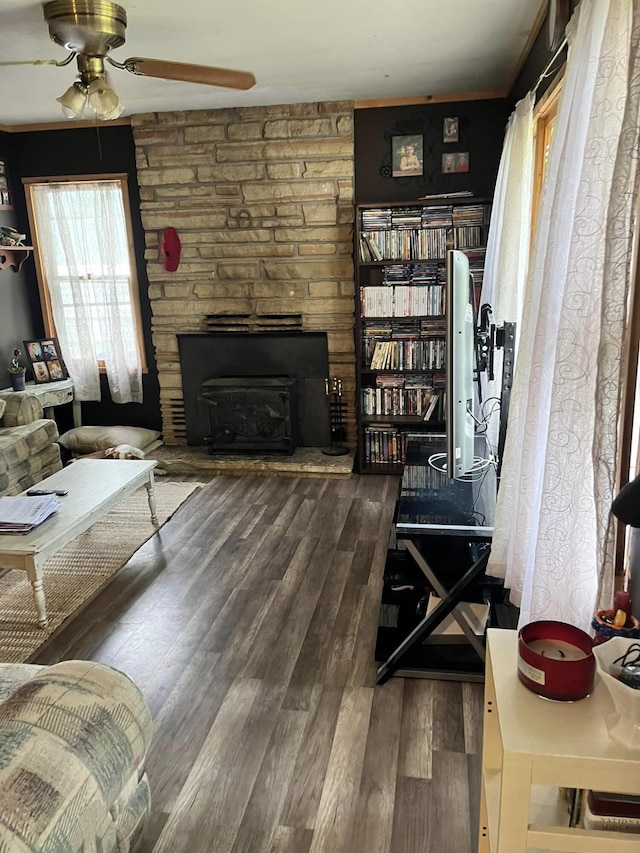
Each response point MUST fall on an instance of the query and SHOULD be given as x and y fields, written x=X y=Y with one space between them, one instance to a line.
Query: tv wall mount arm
x=489 y=338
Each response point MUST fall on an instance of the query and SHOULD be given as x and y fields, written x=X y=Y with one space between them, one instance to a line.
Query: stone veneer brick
x=262 y=199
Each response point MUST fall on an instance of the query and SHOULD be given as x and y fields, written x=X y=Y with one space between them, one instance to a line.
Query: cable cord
x=479 y=467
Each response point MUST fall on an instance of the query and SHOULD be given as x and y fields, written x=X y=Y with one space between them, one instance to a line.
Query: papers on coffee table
x=23 y=514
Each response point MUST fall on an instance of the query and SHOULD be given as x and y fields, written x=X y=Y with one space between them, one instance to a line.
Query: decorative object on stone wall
x=244 y=219
x=46 y=363
x=385 y=171
x=450 y=129
x=407 y=155
x=170 y=249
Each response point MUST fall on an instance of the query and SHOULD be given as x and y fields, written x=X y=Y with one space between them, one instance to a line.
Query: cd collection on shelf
x=398 y=400
x=401 y=250
x=384 y=444
x=402 y=301
x=407 y=355
x=422 y=233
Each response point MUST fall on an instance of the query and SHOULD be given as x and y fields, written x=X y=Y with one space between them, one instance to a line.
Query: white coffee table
x=94 y=487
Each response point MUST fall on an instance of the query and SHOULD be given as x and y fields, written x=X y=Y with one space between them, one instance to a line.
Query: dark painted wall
x=18 y=298
x=536 y=62
x=481 y=133
x=94 y=151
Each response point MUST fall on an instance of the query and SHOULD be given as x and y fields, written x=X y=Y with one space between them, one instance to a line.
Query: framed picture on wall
x=45 y=360
x=450 y=129
x=406 y=156
x=458 y=162
x=5 y=196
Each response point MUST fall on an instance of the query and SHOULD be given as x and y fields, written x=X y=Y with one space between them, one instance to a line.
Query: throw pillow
x=3 y=406
x=88 y=439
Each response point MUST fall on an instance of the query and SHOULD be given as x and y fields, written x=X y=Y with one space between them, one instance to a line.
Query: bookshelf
x=400 y=317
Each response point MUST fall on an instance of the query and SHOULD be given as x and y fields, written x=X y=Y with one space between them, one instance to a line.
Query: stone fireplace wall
x=262 y=200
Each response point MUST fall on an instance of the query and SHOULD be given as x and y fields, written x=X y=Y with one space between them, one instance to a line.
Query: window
x=88 y=286
x=545 y=115
x=629 y=449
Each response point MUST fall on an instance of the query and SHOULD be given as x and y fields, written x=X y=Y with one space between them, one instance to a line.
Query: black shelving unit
x=400 y=253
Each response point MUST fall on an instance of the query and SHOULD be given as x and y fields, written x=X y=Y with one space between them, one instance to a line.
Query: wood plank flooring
x=249 y=623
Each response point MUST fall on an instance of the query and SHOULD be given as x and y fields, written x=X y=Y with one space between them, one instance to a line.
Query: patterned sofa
x=28 y=449
x=73 y=740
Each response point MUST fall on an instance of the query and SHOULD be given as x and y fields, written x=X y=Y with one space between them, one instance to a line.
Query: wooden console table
x=530 y=741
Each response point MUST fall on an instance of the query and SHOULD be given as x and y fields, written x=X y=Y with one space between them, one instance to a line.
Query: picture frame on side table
x=407 y=156
x=45 y=360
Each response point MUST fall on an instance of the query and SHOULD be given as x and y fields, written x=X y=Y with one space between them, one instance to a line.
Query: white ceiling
x=299 y=50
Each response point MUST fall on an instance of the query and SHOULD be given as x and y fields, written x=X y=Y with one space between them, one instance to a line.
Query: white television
x=460 y=360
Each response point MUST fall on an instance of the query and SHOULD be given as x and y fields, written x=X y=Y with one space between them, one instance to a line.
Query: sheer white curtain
x=508 y=242
x=83 y=246
x=552 y=540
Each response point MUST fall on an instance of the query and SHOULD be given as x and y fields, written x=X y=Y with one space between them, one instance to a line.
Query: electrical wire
x=480 y=466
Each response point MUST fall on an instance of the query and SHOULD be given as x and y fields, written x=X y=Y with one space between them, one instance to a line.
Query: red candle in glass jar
x=555 y=660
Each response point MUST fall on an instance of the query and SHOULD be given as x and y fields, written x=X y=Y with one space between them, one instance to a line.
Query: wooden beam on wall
x=63 y=125
x=375 y=103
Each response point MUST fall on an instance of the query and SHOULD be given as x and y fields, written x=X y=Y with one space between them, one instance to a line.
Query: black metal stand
x=447 y=605
x=336 y=410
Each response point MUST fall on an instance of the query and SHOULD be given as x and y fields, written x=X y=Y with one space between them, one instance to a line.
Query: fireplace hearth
x=298 y=362
x=250 y=413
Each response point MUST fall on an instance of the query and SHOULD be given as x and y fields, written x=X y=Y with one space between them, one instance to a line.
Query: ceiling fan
x=89 y=29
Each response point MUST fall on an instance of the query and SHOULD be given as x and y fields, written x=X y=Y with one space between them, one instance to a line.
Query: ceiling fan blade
x=56 y=62
x=224 y=77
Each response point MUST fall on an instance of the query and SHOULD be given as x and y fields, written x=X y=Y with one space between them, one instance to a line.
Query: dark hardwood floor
x=249 y=623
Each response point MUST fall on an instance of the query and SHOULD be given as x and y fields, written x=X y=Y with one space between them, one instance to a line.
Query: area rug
x=77 y=572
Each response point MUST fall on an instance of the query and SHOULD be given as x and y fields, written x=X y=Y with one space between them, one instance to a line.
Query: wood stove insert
x=250 y=413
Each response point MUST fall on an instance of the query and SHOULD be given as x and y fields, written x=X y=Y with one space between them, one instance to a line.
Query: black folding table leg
x=430 y=622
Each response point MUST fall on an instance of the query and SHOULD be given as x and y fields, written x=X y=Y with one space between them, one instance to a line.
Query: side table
x=531 y=741
x=53 y=394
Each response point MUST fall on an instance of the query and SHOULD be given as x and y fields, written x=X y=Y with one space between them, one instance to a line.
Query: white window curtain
x=553 y=538
x=82 y=241
x=508 y=242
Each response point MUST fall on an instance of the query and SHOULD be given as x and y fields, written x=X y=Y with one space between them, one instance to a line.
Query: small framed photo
x=45 y=360
x=458 y=162
x=406 y=156
x=450 y=129
x=5 y=197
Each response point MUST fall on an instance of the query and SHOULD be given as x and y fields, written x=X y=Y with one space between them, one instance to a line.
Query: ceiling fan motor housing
x=93 y=27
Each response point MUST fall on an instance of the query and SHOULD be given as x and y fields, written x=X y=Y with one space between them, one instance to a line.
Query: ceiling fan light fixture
x=89 y=30
x=103 y=101
x=73 y=101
